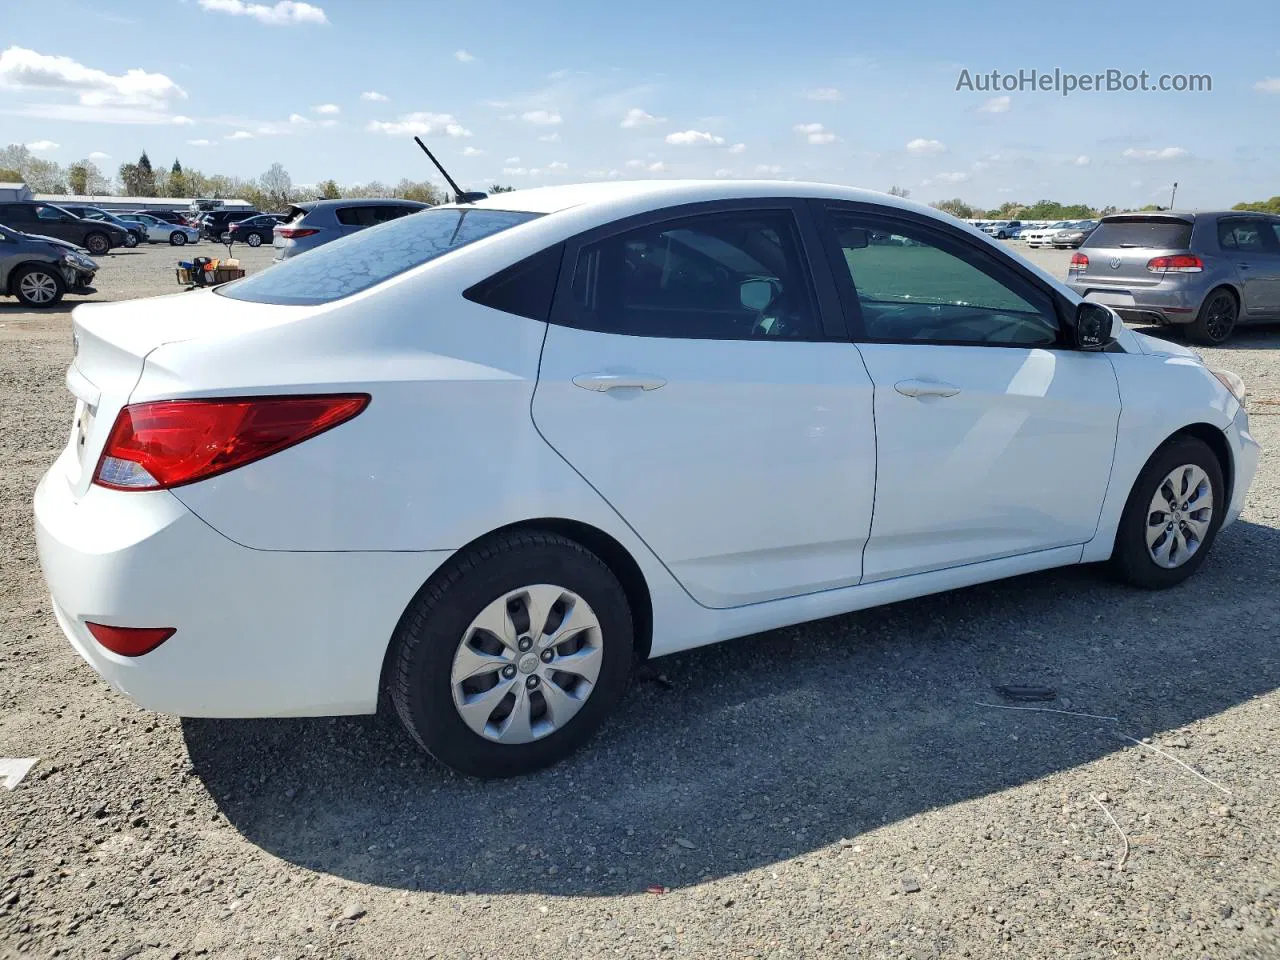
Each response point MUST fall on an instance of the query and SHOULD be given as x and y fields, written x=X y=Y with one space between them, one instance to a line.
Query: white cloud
x=182 y=121
x=690 y=137
x=657 y=167
x=612 y=174
x=724 y=172
x=807 y=128
x=328 y=123
x=327 y=109
x=374 y=96
x=200 y=143
x=738 y=148
x=98 y=156
x=815 y=133
x=996 y=105
x=822 y=138
x=640 y=118
x=1081 y=161
x=1164 y=153
x=515 y=171
x=552 y=137
x=634 y=164
x=283 y=13
x=557 y=165
x=824 y=93
x=241 y=135
x=1268 y=85
x=421 y=124
x=299 y=119
x=462 y=56
x=511 y=160
x=923 y=146
x=42 y=146
x=472 y=152
x=541 y=118
x=956 y=177
x=768 y=168
x=22 y=69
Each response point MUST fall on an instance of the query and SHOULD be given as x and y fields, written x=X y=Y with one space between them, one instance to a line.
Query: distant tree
x=499 y=188
x=10 y=174
x=42 y=176
x=1260 y=206
x=1150 y=208
x=85 y=179
x=896 y=191
x=328 y=190
x=276 y=186
x=138 y=179
x=419 y=190
x=957 y=208
x=177 y=185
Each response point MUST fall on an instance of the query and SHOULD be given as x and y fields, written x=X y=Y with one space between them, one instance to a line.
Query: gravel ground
x=831 y=789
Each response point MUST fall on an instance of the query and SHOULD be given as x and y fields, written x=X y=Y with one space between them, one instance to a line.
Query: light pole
x=1173 y=194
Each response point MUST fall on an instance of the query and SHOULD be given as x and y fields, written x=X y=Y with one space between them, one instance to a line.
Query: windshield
x=1160 y=233
x=359 y=261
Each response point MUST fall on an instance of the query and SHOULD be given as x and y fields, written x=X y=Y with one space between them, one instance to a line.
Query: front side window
x=914 y=287
x=357 y=262
x=719 y=276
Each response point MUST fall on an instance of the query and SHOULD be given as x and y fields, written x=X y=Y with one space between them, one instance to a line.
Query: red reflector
x=167 y=443
x=1182 y=263
x=130 y=641
x=1078 y=261
x=293 y=233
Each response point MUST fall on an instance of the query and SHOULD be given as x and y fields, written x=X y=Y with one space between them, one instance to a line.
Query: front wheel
x=130 y=240
x=39 y=286
x=513 y=656
x=254 y=240
x=1172 y=515
x=225 y=236
x=178 y=238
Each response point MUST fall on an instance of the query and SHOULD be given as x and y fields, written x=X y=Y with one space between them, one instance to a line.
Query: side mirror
x=756 y=294
x=1094 y=328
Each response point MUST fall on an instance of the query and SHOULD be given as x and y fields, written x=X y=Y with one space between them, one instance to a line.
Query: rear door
x=1249 y=244
x=691 y=374
x=1119 y=250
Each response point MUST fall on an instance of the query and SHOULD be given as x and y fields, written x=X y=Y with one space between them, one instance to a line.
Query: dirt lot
x=832 y=789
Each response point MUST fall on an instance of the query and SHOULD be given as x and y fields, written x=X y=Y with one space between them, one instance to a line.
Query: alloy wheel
x=526 y=664
x=254 y=240
x=1220 y=318
x=1179 y=517
x=38 y=287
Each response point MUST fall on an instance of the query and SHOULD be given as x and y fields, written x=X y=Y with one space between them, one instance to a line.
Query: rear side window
x=1241 y=235
x=356 y=216
x=361 y=260
x=1158 y=233
x=524 y=289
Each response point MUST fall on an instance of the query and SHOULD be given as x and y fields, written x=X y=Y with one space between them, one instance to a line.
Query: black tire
x=1216 y=319
x=1131 y=560
x=41 y=275
x=428 y=636
x=98 y=244
x=130 y=240
x=177 y=239
x=225 y=236
x=254 y=239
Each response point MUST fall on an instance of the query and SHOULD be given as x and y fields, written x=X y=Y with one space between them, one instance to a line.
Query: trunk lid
x=1120 y=248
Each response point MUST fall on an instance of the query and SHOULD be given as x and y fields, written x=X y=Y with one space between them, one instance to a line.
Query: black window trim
x=1270 y=238
x=821 y=286
x=993 y=263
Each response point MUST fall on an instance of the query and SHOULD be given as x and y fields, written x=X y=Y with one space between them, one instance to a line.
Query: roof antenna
x=459 y=195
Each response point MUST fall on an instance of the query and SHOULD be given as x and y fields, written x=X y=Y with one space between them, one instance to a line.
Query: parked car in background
x=1074 y=234
x=135 y=233
x=1002 y=229
x=317 y=222
x=48 y=220
x=227 y=535
x=39 y=270
x=168 y=216
x=1204 y=272
x=1036 y=236
x=161 y=231
x=216 y=224
x=255 y=231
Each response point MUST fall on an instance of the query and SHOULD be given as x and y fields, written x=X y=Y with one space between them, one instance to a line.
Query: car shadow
x=1253 y=336
x=757 y=750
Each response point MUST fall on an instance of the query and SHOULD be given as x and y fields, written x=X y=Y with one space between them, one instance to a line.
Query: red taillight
x=130 y=641
x=153 y=446
x=1182 y=263
x=1079 y=263
x=293 y=233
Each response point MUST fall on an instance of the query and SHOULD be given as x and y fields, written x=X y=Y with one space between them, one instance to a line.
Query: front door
x=993 y=439
x=687 y=378
x=54 y=222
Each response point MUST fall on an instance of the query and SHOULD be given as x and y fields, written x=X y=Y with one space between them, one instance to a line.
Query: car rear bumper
x=1150 y=305
x=259 y=633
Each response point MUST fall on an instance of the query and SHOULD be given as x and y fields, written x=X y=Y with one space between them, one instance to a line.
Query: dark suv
x=46 y=220
x=168 y=216
x=216 y=224
x=255 y=231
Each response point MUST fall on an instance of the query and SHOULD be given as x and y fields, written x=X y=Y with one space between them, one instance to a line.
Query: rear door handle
x=925 y=388
x=604 y=382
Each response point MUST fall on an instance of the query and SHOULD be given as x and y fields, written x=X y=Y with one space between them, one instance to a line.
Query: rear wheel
x=513 y=656
x=97 y=244
x=130 y=240
x=225 y=236
x=1172 y=515
x=1216 y=319
x=38 y=286
x=254 y=240
x=178 y=238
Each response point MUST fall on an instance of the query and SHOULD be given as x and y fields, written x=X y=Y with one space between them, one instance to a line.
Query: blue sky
x=547 y=92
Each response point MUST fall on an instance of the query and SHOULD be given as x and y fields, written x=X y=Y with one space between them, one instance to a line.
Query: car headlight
x=1235 y=386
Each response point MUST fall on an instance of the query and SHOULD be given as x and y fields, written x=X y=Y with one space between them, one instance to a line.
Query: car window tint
x=911 y=289
x=524 y=289
x=1275 y=229
x=1157 y=233
x=48 y=212
x=360 y=260
x=355 y=216
x=1240 y=235
x=723 y=276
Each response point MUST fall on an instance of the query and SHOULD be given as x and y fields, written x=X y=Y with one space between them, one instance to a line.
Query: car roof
x=310 y=205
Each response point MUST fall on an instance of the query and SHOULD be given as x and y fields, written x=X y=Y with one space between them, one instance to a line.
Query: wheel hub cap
x=513 y=695
x=1179 y=516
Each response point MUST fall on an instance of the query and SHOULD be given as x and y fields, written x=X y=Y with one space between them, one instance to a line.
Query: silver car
x=317 y=222
x=1203 y=271
x=161 y=231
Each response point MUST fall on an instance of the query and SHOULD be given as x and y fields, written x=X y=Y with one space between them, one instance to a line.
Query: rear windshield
x=1157 y=233
x=359 y=261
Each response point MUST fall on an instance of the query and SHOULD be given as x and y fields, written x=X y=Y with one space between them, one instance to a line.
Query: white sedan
x=484 y=457
x=161 y=231
x=1040 y=235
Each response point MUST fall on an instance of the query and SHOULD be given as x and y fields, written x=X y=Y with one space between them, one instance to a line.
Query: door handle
x=925 y=388
x=604 y=382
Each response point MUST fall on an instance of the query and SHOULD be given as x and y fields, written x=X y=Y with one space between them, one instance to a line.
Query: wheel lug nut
x=524 y=643
x=531 y=682
x=548 y=655
x=508 y=672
